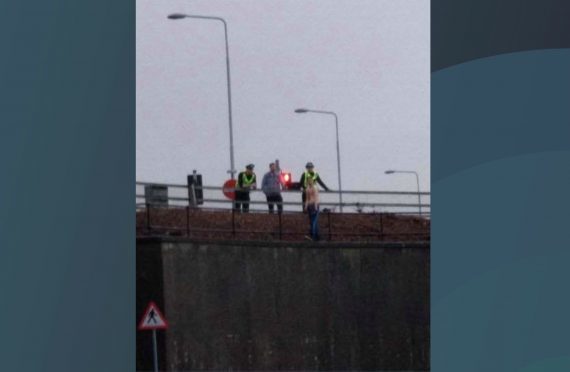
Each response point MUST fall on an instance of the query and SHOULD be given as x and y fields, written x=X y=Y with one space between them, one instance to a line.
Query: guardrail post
x=381 y=227
x=330 y=225
x=148 y=216
x=187 y=220
x=280 y=227
x=233 y=222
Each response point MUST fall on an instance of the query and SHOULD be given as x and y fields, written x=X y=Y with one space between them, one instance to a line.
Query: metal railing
x=399 y=202
x=178 y=214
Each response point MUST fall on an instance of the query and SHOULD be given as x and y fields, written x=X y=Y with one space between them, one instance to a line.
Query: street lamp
x=303 y=111
x=176 y=16
x=417 y=180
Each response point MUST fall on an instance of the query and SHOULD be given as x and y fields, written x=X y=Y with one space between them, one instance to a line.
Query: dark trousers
x=242 y=199
x=314 y=221
x=272 y=199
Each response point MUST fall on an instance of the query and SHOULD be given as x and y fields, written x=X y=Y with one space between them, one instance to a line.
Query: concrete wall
x=296 y=306
x=150 y=287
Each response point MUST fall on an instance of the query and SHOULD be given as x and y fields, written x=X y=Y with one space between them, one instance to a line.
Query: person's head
x=310 y=167
x=272 y=167
x=249 y=168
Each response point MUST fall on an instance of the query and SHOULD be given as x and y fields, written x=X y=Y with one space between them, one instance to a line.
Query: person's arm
x=320 y=182
x=302 y=181
x=254 y=184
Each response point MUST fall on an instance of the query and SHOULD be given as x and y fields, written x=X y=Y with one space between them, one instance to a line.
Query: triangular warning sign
x=153 y=318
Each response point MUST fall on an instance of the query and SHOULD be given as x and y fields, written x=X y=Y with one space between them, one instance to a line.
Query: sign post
x=153 y=319
x=155 y=352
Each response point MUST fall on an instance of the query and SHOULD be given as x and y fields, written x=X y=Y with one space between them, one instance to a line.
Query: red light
x=286 y=177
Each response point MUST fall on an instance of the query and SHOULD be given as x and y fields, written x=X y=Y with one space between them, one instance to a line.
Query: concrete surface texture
x=274 y=306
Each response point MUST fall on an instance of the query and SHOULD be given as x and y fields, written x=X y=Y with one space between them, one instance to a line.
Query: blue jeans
x=314 y=221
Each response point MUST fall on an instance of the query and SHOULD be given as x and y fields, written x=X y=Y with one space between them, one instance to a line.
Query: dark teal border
x=500 y=196
x=67 y=144
x=500 y=178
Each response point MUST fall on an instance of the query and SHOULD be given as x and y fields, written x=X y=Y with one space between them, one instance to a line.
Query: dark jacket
x=241 y=182
x=319 y=181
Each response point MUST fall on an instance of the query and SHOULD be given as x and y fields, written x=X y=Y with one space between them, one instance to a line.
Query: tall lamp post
x=417 y=180
x=303 y=111
x=176 y=16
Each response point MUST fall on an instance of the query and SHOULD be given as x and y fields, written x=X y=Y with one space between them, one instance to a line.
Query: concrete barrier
x=273 y=306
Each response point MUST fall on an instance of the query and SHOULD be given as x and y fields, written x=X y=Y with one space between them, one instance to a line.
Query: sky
x=368 y=61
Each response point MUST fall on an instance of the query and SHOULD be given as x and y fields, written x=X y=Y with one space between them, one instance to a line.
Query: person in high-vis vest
x=310 y=173
x=246 y=181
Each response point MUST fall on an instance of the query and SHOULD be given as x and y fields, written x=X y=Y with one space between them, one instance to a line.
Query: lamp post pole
x=417 y=181
x=304 y=110
x=175 y=16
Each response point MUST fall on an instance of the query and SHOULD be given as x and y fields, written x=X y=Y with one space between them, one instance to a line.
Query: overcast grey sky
x=369 y=61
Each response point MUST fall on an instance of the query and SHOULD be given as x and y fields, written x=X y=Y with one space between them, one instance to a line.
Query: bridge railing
x=397 y=202
x=367 y=215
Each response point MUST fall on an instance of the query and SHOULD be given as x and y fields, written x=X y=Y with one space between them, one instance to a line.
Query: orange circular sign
x=228 y=189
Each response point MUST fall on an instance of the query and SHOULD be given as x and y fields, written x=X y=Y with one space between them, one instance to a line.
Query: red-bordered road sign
x=152 y=318
x=228 y=189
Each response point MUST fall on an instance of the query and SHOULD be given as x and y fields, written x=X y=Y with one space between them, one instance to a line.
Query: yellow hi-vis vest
x=248 y=181
x=307 y=175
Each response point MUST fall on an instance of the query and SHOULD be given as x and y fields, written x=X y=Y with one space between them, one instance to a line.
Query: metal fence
x=396 y=202
x=367 y=215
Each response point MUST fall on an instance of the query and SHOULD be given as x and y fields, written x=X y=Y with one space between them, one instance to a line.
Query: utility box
x=294 y=186
x=195 y=192
x=156 y=195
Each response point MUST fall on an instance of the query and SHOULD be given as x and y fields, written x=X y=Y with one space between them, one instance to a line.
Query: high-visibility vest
x=248 y=181
x=307 y=175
